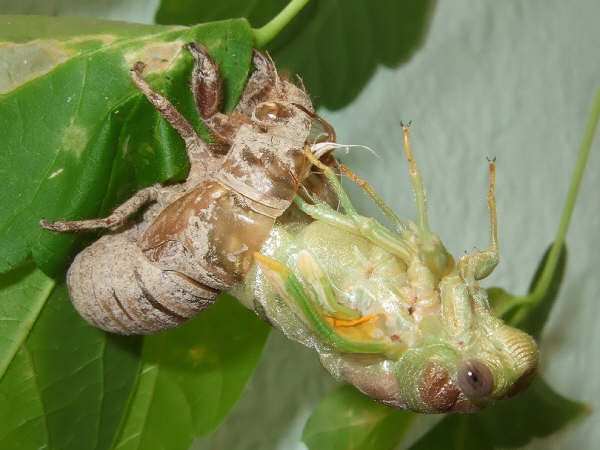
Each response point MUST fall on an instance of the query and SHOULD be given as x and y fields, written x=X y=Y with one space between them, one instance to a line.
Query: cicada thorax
x=261 y=172
x=211 y=233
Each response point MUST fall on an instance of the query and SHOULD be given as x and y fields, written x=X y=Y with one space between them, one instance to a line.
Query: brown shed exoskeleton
x=198 y=238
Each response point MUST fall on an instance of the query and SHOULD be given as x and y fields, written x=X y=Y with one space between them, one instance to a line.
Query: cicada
x=263 y=215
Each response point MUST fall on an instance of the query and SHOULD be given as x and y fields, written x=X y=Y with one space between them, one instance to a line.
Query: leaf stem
x=267 y=32
x=543 y=284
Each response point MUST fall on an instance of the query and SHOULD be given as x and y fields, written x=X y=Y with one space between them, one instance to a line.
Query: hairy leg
x=164 y=106
x=207 y=85
x=433 y=253
x=400 y=227
x=259 y=85
x=207 y=88
x=481 y=264
x=199 y=153
x=114 y=221
x=417 y=182
x=365 y=226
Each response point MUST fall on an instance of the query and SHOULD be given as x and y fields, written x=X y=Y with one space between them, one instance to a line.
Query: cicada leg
x=482 y=263
x=352 y=221
x=291 y=290
x=432 y=251
x=166 y=109
x=364 y=185
x=114 y=221
x=367 y=227
x=322 y=291
x=207 y=85
x=207 y=89
x=417 y=182
x=259 y=83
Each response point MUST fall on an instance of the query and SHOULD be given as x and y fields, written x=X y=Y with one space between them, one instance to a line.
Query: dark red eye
x=475 y=379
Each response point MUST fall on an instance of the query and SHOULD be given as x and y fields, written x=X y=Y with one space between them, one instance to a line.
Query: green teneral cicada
x=389 y=311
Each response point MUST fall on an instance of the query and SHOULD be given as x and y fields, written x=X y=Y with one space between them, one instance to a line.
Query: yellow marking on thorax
x=362 y=329
x=349 y=323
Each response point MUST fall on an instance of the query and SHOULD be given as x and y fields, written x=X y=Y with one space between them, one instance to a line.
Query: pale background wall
x=512 y=79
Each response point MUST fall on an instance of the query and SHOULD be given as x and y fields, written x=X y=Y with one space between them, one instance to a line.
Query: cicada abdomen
x=115 y=287
x=199 y=238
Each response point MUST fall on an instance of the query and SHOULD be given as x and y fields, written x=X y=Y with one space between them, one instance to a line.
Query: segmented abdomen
x=116 y=288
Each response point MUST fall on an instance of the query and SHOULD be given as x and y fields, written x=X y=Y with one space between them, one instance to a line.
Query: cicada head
x=464 y=365
x=275 y=104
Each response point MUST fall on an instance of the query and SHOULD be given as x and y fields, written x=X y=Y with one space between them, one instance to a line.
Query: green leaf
x=77 y=137
x=192 y=376
x=538 y=412
x=347 y=419
x=334 y=45
x=23 y=293
x=68 y=384
x=73 y=386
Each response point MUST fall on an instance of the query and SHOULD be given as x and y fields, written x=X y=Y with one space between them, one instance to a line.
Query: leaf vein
x=39 y=391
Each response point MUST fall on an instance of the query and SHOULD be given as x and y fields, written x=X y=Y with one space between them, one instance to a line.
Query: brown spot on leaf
x=157 y=56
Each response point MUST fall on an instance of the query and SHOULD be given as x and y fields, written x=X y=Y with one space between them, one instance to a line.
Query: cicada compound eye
x=475 y=379
x=272 y=112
